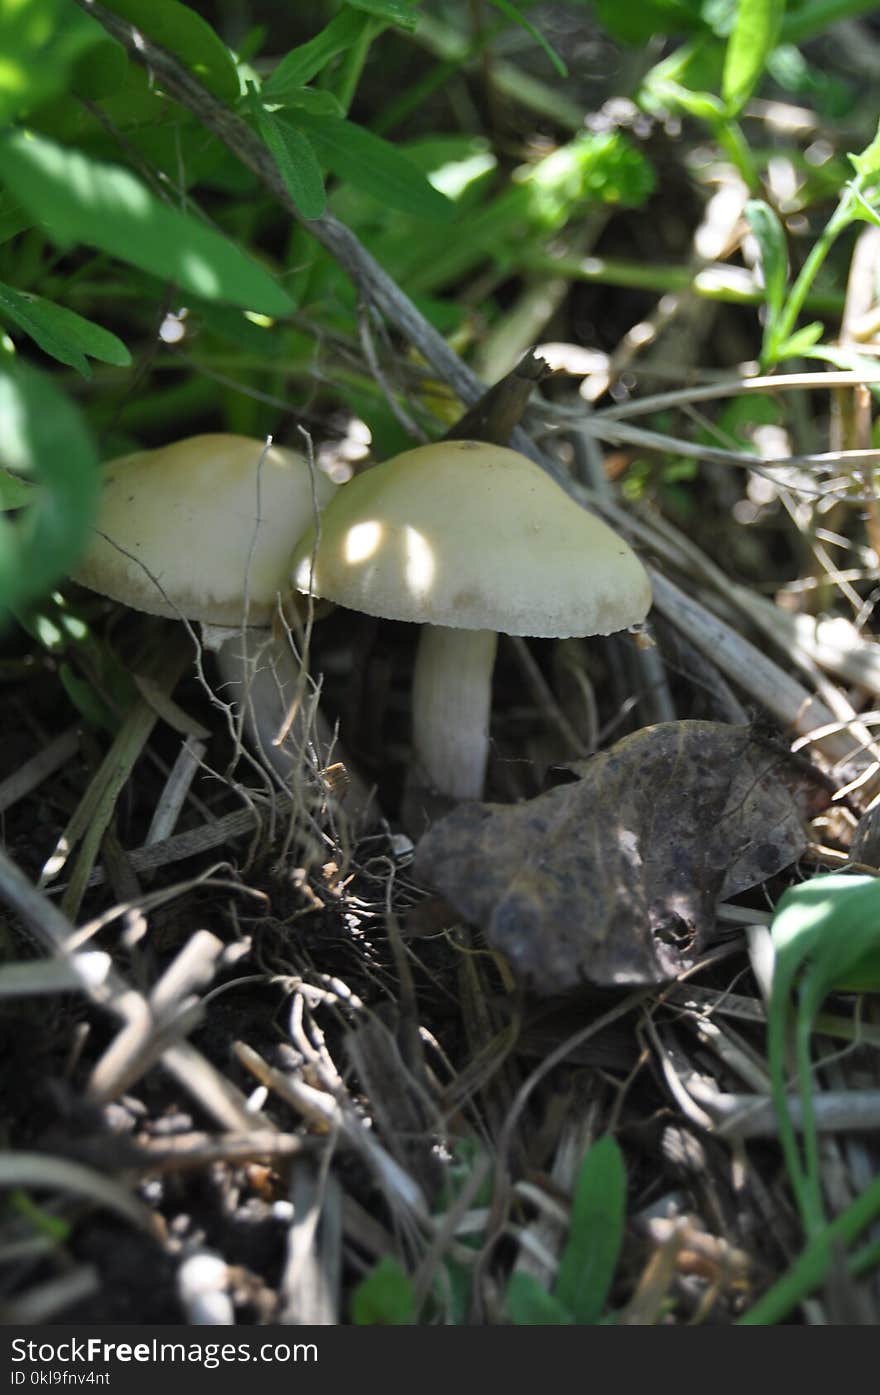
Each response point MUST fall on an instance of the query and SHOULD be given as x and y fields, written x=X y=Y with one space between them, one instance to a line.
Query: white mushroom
x=468 y=539
x=204 y=529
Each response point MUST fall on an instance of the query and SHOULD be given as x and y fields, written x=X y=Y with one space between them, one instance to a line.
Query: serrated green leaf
x=598 y=1212
x=43 y=435
x=755 y=31
x=512 y=13
x=189 y=37
x=77 y=199
x=372 y=164
x=307 y=60
x=394 y=11
x=61 y=332
x=529 y=1305
x=296 y=161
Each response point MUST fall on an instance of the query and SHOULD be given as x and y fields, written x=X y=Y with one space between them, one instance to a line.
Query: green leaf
x=589 y=1260
x=373 y=164
x=100 y=71
x=41 y=42
x=705 y=106
x=770 y=237
x=512 y=13
x=636 y=23
x=811 y=17
x=86 y=699
x=13 y=218
x=754 y=35
x=396 y=13
x=826 y=935
x=77 y=199
x=296 y=161
x=385 y=1298
x=830 y=926
x=799 y=342
x=43 y=434
x=190 y=38
x=305 y=62
x=61 y=332
x=867 y=162
x=530 y=1305
x=14 y=492
x=311 y=99
x=849 y=360
x=860 y=209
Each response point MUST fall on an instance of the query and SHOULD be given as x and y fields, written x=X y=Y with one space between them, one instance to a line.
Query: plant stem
x=810 y=1267
x=730 y=137
x=797 y=297
x=717 y=282
x=353 y=64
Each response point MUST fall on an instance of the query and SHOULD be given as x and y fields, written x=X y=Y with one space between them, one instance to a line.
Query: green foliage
x=528 y=1304
x=395 y=11
x=770 y=237
x=636 y=23
x=15 y=493
x=77 y=199
x=189 y=37
x=826 y=937
x=62 y=333
x=385 y=1298
x=295 y=157
x=42 y=42
x=588 y=1262
x=365 y=160
x=308 y=60
x=513 y=13
x=42 y=435
x=41 y=1221
x=754 y=34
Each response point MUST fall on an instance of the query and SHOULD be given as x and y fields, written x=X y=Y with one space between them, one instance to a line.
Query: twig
x=733 y=387
x=40 y=766
x=53 y=931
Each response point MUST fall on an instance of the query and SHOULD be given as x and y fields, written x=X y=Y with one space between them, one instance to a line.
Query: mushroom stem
x=263 y=680
x=451 y=698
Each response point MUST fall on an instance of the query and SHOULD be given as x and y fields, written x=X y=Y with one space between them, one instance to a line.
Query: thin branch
x=734 y=387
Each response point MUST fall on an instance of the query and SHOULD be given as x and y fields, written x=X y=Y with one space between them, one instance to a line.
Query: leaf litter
x=615 y=879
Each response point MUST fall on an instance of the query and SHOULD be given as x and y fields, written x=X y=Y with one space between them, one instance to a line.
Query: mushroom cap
x=194 y=522
x=472 y=536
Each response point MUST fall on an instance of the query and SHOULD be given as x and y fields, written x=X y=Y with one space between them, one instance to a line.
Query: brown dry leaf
x=615 y=879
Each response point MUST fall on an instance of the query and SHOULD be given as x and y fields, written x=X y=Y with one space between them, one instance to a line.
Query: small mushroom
x=468 y=539
x=203 y=529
